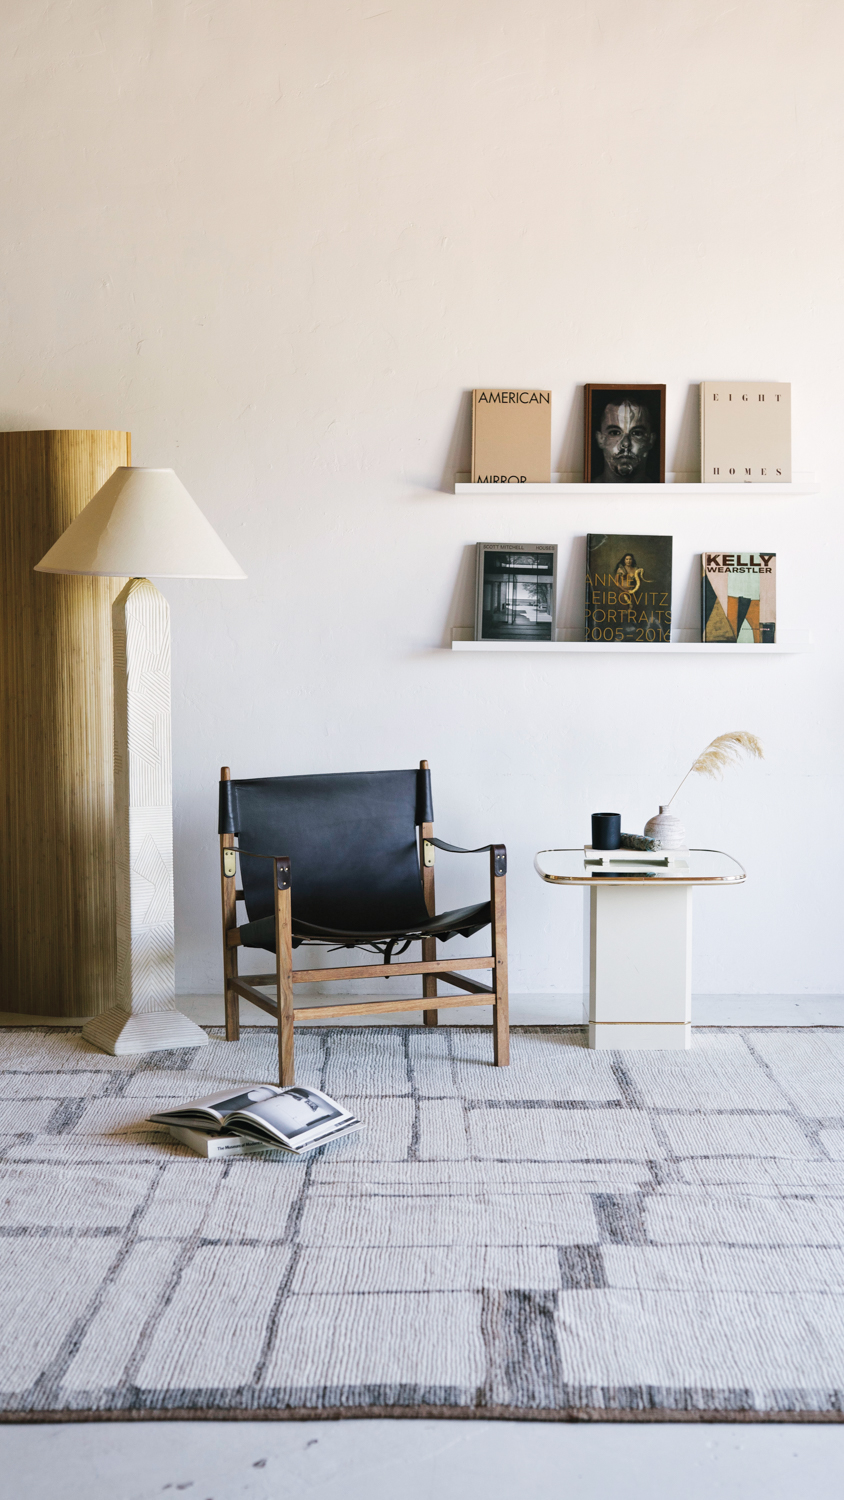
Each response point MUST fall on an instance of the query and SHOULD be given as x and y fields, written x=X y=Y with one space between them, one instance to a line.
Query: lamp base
x=120 y=1031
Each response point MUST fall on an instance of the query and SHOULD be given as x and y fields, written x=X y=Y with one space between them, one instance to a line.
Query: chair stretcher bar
x=382 y=1007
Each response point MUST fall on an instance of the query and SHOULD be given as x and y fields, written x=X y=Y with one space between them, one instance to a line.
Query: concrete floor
x=384 y=1460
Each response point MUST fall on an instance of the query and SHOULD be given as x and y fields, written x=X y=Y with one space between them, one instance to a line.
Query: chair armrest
x=280 y=861
x=499 y=851
x=253 y=855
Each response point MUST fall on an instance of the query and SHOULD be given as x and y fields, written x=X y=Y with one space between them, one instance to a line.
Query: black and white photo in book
x=295 y=1118
x=298 y=1110
x=624 y=434
x=516 y=596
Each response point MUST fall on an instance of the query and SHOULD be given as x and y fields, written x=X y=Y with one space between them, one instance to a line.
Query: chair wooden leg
x=429 y=945
x=228 y=883
x=232 y=998
x=429 y=982
x=284 y=971
x=501 y=1007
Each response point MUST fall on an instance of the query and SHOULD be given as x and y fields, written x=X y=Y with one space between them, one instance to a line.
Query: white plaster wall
x=280 y=240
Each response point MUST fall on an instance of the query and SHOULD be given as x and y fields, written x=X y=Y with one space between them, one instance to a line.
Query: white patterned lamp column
x=142 y=521
x=145 y=1016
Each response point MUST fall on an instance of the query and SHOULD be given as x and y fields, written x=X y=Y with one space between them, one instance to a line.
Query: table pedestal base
x=640 y=966
x=633 y=1034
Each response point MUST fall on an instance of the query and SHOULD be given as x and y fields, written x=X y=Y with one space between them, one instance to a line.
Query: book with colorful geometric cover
x=739 y=598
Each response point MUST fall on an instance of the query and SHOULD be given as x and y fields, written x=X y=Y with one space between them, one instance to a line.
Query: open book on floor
x=294 y=1119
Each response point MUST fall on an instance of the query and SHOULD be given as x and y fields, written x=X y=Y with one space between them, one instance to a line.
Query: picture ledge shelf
x=673 y=648
x=802 y=484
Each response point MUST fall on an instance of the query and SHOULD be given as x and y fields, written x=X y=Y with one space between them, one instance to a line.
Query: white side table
x=640 y=941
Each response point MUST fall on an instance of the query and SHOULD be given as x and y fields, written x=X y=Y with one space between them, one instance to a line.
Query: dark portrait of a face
x=624 y=435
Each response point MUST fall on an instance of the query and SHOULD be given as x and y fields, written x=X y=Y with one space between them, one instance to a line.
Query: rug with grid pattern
x=635 y=1235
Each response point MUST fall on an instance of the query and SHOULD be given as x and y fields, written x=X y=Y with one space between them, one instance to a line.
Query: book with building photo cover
x=516 y=591
x=296 y=1119
x=511 y=437
x=628 y=588
x=739 y=598
x=745 y=432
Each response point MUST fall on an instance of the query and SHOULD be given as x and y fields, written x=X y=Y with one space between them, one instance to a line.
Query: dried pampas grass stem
x=723 y=752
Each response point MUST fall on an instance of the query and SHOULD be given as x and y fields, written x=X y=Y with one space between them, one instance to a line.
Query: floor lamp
x=142 y=521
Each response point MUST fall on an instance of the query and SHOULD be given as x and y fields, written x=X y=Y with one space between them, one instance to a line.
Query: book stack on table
x=638 y=862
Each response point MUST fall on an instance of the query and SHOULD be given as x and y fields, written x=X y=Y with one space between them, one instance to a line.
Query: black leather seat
x=352 y=844
x=356 y=876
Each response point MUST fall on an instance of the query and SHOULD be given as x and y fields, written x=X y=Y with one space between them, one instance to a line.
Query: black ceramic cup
x=606 y=830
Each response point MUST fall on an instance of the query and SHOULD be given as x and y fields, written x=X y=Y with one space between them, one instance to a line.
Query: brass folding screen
x=56 y=754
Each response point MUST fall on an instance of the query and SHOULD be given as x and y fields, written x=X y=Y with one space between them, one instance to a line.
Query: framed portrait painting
x=624 y=434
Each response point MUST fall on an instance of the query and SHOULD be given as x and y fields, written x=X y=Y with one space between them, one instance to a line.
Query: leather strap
x=500 y=852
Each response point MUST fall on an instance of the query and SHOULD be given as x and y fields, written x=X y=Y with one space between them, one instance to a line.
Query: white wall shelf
x=803 y=485
x=673 y=648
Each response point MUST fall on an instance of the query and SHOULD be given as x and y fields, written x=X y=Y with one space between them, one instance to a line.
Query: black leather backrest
x=350 y=838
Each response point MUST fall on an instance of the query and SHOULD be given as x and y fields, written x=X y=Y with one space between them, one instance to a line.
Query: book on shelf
x=745 y=432
x=516 y=594
x=628 y=588
x=296 y=1118
x=739 y=598
x=624 y=434
x=511 y=437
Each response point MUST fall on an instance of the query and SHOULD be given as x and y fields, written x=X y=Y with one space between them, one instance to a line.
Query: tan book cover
x=511 y=437
x=745 y=432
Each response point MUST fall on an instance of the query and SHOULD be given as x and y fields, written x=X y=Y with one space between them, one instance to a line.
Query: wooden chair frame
x=432 y=969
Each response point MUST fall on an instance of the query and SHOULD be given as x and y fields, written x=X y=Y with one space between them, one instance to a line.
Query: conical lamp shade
x=141 y=524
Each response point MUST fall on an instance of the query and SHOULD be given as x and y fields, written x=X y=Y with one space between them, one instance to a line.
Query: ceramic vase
x=667 y=831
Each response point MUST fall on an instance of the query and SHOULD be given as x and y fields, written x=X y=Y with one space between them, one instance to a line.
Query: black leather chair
x=348 y=861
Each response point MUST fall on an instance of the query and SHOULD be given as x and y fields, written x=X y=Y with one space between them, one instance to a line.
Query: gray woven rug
x=648 y=1236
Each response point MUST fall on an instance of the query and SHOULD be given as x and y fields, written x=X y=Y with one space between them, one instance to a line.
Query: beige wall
x=280 y=240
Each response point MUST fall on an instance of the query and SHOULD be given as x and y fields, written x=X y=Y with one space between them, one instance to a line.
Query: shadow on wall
x=685 y=612
x=686 y=458
x=461 y=609
x=571 y=610
x=458 y=458
x=570 y=461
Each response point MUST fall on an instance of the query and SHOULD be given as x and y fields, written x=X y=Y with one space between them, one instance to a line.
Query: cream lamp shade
x=141 y=524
